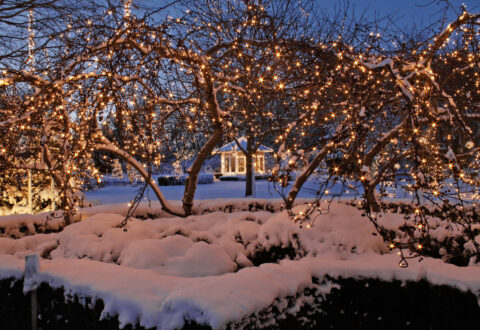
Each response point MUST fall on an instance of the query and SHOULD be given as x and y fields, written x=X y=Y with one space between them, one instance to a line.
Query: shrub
x=171 y=180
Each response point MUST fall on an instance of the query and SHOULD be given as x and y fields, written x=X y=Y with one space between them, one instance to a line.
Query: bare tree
x=114 y=69
x=407 y=115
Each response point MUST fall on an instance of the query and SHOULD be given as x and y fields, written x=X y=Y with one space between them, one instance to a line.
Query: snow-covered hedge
x=115 y=181
x=169 y=180
x=331 y=303
x=367 y=303
x=111 y=180
x=448 y=239
x=20 y=225
x=225 y=269
x=242 y=177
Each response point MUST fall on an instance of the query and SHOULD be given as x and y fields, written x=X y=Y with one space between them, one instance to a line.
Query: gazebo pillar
x=222 y=162
x=236 y=163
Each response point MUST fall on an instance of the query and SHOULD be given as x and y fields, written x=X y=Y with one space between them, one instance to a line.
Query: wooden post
x=32 y=263
x=33 y=309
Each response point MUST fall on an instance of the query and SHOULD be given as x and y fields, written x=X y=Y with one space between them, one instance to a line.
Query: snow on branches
x=367 y=120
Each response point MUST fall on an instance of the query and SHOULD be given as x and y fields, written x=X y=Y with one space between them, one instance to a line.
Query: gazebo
x=233 y=160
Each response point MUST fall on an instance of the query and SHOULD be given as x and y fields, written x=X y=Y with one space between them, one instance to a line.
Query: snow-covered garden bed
x=248 y=264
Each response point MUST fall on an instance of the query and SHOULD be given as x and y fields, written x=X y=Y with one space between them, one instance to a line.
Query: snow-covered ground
x=218 y=189
x=229 y=189
x=165 y=271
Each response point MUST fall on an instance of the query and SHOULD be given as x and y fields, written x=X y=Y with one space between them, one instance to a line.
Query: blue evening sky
x=407 y=13
x=411 y=10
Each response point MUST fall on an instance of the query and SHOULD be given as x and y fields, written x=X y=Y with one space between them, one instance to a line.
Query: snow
x=166 y=271
x=179 y=256
x=219 y=189
x=450 y=155
x=17 y=223
x=362 y=112
x=233 y=146
x=11 y=267
x=420 y=178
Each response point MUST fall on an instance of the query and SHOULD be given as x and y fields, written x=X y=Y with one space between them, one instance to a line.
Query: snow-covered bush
x=255 y=268
x=168 y=180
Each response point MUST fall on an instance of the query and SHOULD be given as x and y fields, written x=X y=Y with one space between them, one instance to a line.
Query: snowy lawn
x=218 y=189
x=205 y=268
x=226 y=189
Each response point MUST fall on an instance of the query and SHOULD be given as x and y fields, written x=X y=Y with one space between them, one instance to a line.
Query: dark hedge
x=357 y=304
x=373 y=304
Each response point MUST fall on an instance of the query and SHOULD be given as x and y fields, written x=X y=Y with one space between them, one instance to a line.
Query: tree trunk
x=371 y=199
x=302 y=177
x=191 y=183
x=214 y=111
x=68 y=210
x=248 y=174
x=249 y=168
x=107 y=146
x=67 y=200
x=253 y=183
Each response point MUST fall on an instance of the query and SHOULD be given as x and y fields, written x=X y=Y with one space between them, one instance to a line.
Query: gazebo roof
x=232 y=146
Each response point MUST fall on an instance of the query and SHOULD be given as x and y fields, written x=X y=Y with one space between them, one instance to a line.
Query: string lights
x=369 y=120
